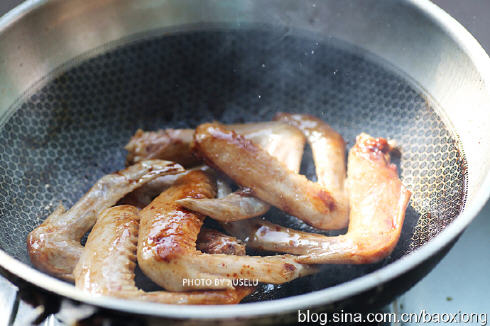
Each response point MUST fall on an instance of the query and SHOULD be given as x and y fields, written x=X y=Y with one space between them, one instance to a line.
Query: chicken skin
x=168 y=144
x=252 y=167
x=167 y=246
x=278 y=138
x=281 y=141
x=55 y=247
x=378 y=201
x=106 y=266
x=328 y=149
x=214 y=242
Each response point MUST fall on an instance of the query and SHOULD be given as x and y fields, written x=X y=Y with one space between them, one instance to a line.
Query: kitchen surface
x=459 y=283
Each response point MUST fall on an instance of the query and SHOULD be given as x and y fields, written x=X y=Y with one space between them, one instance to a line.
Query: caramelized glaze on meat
x=167 y=245
x=175 y=143
x=280 y=140
x=378 y=203
x=106 y=266
x=269 y=180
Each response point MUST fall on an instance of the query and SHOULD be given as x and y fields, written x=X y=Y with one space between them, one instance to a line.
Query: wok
x=79 y=77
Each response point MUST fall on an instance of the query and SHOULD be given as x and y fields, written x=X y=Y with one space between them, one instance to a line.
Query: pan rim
x=332 y=294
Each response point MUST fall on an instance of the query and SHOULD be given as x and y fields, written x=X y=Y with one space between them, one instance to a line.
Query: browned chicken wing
x=208 y=241
x=106 y=266
x=278 y=138
x=378 y=203
x=214 y=242
x=328 y=149
x=236 y=206
x=55 y=247
x=329 y=155
x=168 y=144
x=144 y=195
x=268 y=179
x=167 y=246
x=175 y=144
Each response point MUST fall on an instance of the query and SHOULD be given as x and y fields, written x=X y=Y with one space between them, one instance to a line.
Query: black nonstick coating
x=66 y=134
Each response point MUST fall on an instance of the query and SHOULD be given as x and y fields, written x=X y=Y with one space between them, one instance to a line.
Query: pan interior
x=65 y=134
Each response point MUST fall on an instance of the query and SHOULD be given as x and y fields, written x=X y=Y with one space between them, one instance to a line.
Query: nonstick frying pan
x=79 y=77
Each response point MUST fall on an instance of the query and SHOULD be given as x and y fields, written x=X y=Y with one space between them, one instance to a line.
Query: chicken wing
x=55 y=247
x=235 y=206
x=267 y=178
x=329 y=155
x=144 y=195
x=214 y=242
x=175 y=144
x=168 y=144
x=271 y=137
x=106 y=266
x=167 y=246
x=278 y=138
x=378 y=202
x=328 y=149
